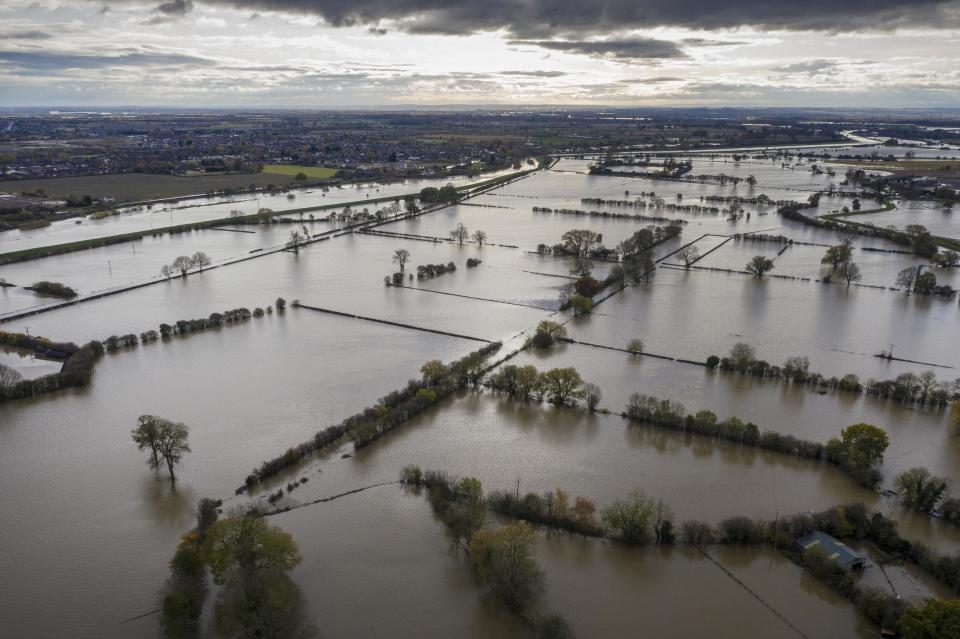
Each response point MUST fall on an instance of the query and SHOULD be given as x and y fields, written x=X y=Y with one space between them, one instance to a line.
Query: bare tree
x=460 y=233
x=400 y=256
x=201 y=259
x=689 y=255
x=479 y=237
x=579 y=242
x=8 y=377
x=183 y=264
x=907 y=278
x=849 y=272
x=295 y=241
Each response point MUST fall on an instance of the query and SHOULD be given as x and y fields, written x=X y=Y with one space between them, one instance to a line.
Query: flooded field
x=149 y=217
x=607 y=589
x=94 y=528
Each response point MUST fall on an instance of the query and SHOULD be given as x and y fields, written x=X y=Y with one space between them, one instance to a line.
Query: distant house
x=835 y=550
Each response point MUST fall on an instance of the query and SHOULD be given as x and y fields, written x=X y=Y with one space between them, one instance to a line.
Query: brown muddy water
x=88 y=529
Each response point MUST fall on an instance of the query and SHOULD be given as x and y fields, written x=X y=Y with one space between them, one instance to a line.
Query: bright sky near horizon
x=343 y=53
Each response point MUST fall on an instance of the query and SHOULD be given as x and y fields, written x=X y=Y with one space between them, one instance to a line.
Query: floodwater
x=27 y=364
x=186 y=211
x=918 y=436
x=695 y=314
x=89 y=528
x=416 y=585
x=938 y=219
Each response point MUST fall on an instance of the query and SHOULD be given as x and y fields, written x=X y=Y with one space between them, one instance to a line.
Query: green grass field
x=129 y=187
x=315 y=172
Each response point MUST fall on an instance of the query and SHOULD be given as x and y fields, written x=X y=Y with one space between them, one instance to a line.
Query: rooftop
x=835 y=549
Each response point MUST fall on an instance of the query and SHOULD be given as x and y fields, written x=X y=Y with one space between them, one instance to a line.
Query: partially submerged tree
x=504 y=559
x=759 y=265
x=742 y=356
x=147 y=436
x=166 y=440
x=920 y=490
x=688 y=255
x=295 y=241
x=460 y=233
x=400 y=257
x=635 y=346
x=631 y=519
x=201 y=260
x=548 y=333
x=946 y=259
x=921 y=241
x=860 y=450
x=562 y=385
x=579 y=242
x=592 y=395
x=581 y=304
x=837 y=255
x=9 y=377
x=479 y=237
x=183 y=264
x=849 y=271
x=915 y=279
x=249 y=560
x=434 y=371
x=933 y=620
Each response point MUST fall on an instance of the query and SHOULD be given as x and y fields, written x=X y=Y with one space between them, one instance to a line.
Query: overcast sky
x=339 y=53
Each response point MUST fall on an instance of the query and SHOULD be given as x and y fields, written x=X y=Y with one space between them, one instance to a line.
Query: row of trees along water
x=640 y=519
x=908 y=388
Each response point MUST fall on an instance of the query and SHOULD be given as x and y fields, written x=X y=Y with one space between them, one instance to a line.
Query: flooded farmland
x=90 y=529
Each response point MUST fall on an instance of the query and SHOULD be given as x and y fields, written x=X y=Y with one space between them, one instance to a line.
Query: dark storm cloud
x=528 y=19
x=703 y=42
x=27 y=34
x=810 y=67
x=40 y=62
x=535 y=74
x=175 y=8
x=625 y=49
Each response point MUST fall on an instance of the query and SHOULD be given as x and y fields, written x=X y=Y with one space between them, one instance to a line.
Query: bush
x=739 y=530
x=54 y=289
x=713 y=361
x=411 y=475
x=697 y=533
x=76 y=372
x=548 y=333
x=587 y=286
x=592 y=395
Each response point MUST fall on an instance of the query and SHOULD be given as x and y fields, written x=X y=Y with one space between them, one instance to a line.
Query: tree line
x=248 y=560
x=183 y=264
x=858 y=450
x=389 y=412
x=907 y=388
x=76 y=372
x=641 y=520
x=502 y=557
